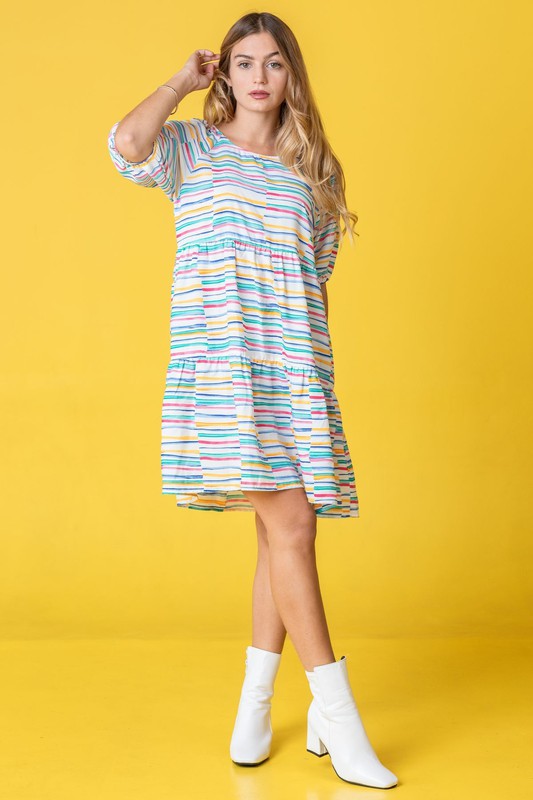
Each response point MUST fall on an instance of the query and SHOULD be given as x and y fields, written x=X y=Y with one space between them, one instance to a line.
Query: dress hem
x=233 y=500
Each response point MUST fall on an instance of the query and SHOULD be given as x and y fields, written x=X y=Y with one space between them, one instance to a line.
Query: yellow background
x=428 y=107
x=103 y=581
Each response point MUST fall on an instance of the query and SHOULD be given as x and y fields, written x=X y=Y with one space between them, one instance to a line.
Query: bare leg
x=268 y=629
x=290 y=522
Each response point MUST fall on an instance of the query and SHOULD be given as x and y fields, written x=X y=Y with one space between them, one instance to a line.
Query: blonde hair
x=301 y=142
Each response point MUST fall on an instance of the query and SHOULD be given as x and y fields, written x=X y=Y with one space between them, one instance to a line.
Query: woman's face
x=257 y=65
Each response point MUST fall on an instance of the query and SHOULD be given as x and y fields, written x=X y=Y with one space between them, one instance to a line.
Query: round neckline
x=241 y=149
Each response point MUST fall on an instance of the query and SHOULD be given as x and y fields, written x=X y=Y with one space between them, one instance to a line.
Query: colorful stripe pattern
x=249 y=402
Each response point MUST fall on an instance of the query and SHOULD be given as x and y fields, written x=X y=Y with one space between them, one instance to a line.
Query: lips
x=259 y=94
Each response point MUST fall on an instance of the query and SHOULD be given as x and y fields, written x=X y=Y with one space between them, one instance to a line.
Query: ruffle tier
x=231 y=424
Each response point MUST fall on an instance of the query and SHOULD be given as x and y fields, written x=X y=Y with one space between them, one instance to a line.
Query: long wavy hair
x=301 y=142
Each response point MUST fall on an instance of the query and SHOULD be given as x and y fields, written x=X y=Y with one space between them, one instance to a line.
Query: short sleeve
x=174 y=154
x=326 y=244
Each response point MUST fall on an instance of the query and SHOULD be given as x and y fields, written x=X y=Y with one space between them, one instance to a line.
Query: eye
x=246 y=63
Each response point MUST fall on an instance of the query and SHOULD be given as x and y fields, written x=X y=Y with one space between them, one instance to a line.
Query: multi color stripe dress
x=249 y=402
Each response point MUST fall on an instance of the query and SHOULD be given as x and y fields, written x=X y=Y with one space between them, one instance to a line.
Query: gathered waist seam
x=282 y=365
x=215 y=244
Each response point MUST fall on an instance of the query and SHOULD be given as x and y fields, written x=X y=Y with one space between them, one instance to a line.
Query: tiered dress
x=249 y=402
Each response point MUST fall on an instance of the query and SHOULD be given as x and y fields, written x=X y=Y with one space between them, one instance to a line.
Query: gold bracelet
x=175 y=92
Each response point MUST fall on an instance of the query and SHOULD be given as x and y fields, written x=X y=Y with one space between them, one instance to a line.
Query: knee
x=299 y=536
x=284 y=519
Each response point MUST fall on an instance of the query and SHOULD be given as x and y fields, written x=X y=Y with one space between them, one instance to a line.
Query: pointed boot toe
x=334 y=726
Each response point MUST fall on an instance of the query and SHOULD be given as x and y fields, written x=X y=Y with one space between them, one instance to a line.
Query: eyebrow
x=241 y=55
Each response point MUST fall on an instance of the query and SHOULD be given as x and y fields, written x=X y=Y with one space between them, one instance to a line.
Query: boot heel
x=314 y=744
x=334 y=712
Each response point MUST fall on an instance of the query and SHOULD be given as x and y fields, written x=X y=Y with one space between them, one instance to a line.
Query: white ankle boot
x=252 y=734
x=335 y=727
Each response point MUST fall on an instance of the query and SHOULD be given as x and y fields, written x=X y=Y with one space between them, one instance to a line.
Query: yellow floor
x=145 y=719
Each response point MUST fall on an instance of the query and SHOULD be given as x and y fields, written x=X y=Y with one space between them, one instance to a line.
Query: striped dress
x=248 y=402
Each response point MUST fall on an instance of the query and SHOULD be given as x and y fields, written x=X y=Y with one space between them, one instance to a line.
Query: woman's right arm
x=137 y=131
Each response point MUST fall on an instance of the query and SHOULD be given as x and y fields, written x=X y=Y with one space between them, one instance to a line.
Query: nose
x=259 y=76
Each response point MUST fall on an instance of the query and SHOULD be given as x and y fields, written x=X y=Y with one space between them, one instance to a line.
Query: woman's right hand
x=201 y=76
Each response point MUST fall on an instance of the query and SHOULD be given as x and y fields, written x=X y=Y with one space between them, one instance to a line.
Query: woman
x=250 y=416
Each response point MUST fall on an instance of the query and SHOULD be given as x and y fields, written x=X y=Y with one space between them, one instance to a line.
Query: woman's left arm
x=326 y=239
x=324 y=289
